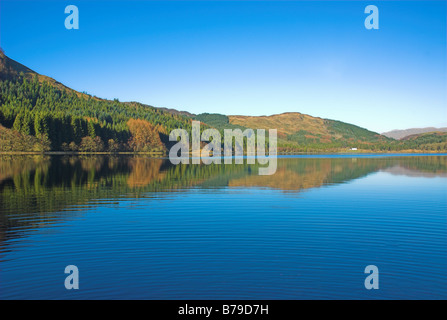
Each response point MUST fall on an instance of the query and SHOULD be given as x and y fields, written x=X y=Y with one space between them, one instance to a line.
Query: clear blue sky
x=250 y=58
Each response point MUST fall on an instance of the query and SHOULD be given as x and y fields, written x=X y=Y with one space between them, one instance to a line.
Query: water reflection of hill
x=297 y=174
x=39 y=191
x=401 y=171
x=428 y=167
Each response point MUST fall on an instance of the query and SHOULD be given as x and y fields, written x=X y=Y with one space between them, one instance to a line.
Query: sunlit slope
x=298 y=128
x=290 y=123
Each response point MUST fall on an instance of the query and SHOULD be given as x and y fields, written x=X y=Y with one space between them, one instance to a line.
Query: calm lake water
x=140 y=228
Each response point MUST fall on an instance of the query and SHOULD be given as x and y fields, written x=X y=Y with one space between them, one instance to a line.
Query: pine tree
x=18 y=122
x=91 y=130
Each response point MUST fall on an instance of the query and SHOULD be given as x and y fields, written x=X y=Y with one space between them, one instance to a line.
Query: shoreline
x=164 y=154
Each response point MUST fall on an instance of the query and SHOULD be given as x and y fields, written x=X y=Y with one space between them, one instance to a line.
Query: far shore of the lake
x=164 y=154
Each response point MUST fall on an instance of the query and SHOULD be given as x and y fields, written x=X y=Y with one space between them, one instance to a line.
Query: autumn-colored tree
x=91 y=145
x=73 y=146
x=113 y=146
x=145 y=136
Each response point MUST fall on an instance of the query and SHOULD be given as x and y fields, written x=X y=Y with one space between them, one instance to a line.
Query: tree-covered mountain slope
x=65 y=119
x=46 y=115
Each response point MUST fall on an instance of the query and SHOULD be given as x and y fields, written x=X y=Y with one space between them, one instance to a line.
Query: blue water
x=243 y=238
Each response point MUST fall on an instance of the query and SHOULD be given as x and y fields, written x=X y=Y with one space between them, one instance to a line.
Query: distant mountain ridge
x=400 y=134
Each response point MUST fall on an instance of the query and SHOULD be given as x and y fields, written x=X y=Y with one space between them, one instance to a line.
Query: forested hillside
x=63 y=119
x=39 y=114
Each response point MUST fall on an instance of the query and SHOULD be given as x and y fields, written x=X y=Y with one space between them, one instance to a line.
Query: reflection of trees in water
x=144 y=171
x=38 y=191
x=48 y=180
x=17 y=166
x=33 y=191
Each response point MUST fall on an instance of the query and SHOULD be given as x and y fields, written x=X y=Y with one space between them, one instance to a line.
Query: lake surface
x=140 y=228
